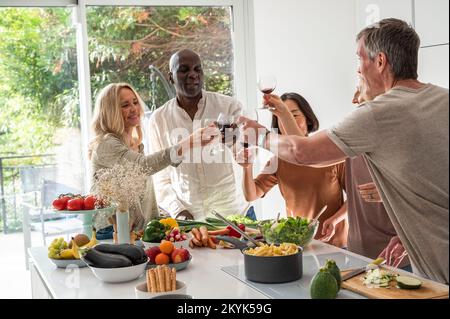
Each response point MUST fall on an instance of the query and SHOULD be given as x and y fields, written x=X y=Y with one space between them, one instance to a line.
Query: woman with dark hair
x=305 y=189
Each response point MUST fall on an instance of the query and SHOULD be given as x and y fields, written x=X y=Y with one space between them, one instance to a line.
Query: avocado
x=323 y=285
x=335 y=271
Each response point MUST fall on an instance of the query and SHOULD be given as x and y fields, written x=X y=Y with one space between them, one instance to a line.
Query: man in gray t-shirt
x=402 y=133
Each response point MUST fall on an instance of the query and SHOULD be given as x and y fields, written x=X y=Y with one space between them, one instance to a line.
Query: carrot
x=205 y=236
x=197 y=242
x=219 y=232
x=211 y=243
x=196 y=234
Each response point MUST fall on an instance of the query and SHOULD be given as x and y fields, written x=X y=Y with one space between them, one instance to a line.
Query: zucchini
x=405 y=282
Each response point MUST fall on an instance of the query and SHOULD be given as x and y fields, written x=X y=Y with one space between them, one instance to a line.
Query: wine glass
x=267 y=84
x=252 y=114
x=226 y=125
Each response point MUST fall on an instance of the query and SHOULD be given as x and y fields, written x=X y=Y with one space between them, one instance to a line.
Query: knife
x=357 y=271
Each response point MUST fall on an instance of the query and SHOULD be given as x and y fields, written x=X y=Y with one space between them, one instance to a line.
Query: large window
x=40 y=135
x=55 y=55
x=134 y=44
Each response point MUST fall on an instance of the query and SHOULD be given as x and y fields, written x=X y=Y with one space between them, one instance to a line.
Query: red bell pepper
x=234 y=233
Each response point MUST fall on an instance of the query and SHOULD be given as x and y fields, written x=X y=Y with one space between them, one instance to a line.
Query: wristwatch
x=262 y=139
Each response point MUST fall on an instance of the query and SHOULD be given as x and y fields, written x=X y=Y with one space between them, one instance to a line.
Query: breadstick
x=167 y=277
x=147 y=278
x=173 y=277
x=153 y=281
x=157 y=286
x=160 y=272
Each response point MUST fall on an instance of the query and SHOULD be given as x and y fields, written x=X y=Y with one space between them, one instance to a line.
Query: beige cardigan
x=112 y=150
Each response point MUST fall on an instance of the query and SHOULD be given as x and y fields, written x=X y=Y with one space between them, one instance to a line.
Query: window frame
x=243 y=46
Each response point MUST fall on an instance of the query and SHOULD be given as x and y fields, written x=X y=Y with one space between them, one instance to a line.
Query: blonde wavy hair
x=107 y=118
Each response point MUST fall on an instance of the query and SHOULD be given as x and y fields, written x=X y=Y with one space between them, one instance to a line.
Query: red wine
x=227 y=127
x=267 y=91
x=245 y=144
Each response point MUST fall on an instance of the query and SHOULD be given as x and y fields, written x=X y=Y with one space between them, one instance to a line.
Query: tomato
x=58 y=204
x=89 y=202
x=65 y=199
x=75 y=203
x=61 y=202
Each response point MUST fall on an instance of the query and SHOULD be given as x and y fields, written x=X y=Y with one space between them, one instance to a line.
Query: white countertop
x=204 y=276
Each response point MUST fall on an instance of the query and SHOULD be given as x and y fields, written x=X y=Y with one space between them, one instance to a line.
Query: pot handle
x=238 y=244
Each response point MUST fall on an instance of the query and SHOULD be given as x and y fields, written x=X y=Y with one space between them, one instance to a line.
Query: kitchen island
x=212 y=274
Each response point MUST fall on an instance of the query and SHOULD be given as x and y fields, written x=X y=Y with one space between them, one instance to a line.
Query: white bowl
x=142 y=293
x=123 y=274
x=71 y=263
x=177 y=244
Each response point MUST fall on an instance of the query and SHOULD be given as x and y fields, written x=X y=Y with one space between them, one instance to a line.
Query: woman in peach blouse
x=305 y=189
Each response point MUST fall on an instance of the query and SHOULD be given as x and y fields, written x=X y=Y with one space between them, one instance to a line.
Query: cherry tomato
x=75 y=204
x=89 y=202
x=58 y=204
x=65 y=199
x=61 y=202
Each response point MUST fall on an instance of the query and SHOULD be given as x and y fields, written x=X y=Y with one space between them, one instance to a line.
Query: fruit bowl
x=177 y=244
x=71 y=263
x=142 y=293
x=177 y=266
x=116 y=275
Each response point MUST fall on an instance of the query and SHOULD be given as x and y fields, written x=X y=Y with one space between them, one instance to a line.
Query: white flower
x=123 y=184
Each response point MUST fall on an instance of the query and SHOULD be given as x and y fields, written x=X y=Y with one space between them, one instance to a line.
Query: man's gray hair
x=399 y=41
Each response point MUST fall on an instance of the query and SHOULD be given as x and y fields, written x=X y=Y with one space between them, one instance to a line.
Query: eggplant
x=98 y=259
x=135 y=254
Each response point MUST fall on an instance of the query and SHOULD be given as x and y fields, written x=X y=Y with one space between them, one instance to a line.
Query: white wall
x=310 y=46
x=431 y=20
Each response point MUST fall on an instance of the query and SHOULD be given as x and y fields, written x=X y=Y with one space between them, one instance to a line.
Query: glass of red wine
x=267 y=84
x=227 y=126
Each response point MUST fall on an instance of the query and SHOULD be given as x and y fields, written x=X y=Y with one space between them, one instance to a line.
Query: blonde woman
x=118 y=138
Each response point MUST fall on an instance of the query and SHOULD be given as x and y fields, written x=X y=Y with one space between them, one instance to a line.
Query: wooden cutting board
x=428 y=290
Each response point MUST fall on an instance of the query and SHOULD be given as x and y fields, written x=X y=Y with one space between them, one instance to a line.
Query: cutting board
x=428 y=290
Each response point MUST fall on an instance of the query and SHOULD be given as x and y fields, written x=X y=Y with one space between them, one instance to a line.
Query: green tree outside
x=39 y=87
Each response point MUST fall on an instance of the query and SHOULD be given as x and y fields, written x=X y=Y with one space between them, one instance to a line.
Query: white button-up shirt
x=203 y=181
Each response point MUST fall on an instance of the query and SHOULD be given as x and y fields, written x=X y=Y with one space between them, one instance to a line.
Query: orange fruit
x=166 y=247
x=161 y=259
